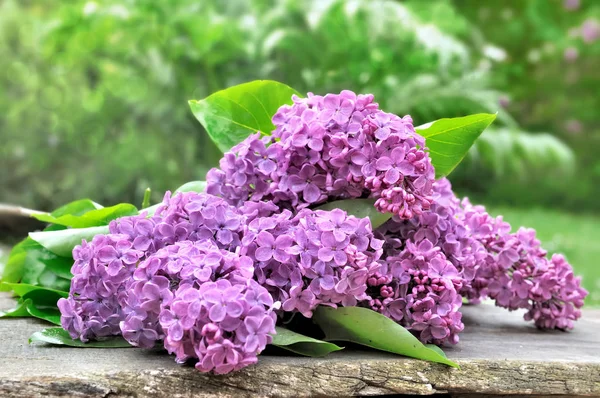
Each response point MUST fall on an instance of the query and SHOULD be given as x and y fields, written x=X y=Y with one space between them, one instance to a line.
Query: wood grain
x=499 y=354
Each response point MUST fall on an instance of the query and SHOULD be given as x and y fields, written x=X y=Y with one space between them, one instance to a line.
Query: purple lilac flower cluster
x=312 y=258
x=330 y=147
x=142 y=278
x=207 y=278
x=208 y=275
x=463 y=251
x=517 y=273
x=431 y=258
x=100 y=270
x=418 y=288
x=442 y=226
x=204 y=304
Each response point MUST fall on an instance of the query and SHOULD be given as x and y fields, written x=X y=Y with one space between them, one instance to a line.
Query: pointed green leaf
x=26 y=308
x=360 y=208
x=449 y=140
x=76 y=208
x=146 y=200
x=90 y=218
x=231 y=115
x=303 y=345
x=47 y=313
x=19 y=311
x=39 y=294
x=369 y=328
x=15 y=266
x=59 y=336
x=62 y=242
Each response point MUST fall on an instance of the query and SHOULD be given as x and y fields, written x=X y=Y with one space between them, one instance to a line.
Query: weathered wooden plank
x=499 y=354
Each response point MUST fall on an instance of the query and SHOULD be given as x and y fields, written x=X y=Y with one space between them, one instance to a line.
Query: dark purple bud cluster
x=465 y=252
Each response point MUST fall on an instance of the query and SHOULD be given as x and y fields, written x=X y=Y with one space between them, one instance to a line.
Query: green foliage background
x=94 y=94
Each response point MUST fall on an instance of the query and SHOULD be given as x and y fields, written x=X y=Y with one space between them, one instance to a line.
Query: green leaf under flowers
x=91 y=218
x=19 y=311
x=62 y=242
x=369 y=328
x=32 y=264
x=192 y=186
x=27 y=308
x=231 y=115
x=15 y=266
x=59 y=336
x=47 y=313
x=449 y=140
x=39 y=294
x=360 y=208
x=36 y=301
x=303 y=345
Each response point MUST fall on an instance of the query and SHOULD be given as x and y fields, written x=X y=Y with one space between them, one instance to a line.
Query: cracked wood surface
x=499 y=354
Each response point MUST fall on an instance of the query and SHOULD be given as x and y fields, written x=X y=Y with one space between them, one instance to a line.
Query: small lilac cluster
x=100 y=271
x=312 y=258
x=517 y=273
x=204 y=304
x=464 y=252
x=185 y=216
x=442 y=226
x=154 y=280
x=330 y=147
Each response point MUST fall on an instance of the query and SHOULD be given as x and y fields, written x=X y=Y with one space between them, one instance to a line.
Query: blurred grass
x=577 y=236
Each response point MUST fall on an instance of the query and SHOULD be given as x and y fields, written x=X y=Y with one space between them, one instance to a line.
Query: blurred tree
x=95 y=93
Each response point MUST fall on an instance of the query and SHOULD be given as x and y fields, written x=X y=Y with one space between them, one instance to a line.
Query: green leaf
x=360 y=208
x=192 y=186
x=32 y=264
x=90 y=218
x=39 y=294
x=369 y=328
x=146 y=200
x=47 y=313
x=449 y=140
x=303 y=345
x=19 y=311
x=62 y=242
x=27 y=308
x=76 y=208
x=231 y=115
x=15 y=266
x=59 y=336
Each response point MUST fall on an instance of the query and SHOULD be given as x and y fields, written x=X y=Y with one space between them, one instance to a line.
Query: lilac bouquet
x=209 y=275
